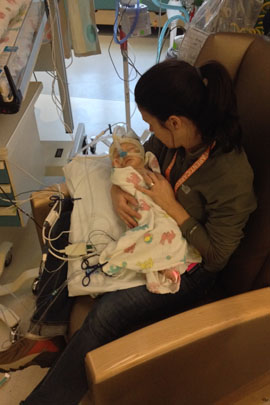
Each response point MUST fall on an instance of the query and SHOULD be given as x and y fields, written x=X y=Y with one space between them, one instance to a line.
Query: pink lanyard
x=192 y=169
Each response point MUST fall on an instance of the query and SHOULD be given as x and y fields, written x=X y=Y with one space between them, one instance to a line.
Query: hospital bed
x=21 y=34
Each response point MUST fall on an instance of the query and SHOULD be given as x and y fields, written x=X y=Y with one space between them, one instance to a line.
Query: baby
x=127 y=151
x=156 y=246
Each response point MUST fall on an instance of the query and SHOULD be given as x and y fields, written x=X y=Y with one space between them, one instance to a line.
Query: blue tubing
x=115 y=26
x=161 y=37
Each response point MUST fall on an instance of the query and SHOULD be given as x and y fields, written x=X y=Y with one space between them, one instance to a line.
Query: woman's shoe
x=27 y=352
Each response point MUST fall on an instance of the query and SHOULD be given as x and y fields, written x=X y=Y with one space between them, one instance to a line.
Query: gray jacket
x=219 y=198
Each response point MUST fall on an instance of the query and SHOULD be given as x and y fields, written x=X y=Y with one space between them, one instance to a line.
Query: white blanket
x=94 y=221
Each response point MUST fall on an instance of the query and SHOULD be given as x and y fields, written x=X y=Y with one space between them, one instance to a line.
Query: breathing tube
x=116 y=146
x=132 y=28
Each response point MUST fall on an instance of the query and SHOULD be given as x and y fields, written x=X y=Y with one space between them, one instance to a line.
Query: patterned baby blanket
x=155 y=247
x=9 y=9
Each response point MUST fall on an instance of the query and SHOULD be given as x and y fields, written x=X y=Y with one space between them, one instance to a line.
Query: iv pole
x=124 y=51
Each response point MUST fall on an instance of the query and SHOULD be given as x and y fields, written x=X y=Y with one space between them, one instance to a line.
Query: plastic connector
x=51 y=218
x=76 y=249
x=43 y=259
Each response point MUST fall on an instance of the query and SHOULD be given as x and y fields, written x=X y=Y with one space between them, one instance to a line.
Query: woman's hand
x=159 y=189
x=162 y=193
x=125 y=205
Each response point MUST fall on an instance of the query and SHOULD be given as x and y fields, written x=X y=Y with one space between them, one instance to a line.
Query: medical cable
x=35 y=77
x=57 y=237
x=50 y=222
x=89 y=250
x=132 y=62
x=114 y=66
x=50 y=299
x=48 y=302
x=101 y=137
x=92 y=234
x=21 y=202
x=55 y=270
x=27 y=173
x=71 y=259
x=44 y=190
x=17 y=207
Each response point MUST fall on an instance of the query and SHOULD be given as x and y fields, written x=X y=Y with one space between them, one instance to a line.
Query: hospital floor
x=97 y=99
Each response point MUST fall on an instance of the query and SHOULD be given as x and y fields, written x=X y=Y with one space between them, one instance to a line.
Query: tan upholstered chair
x=218 y=352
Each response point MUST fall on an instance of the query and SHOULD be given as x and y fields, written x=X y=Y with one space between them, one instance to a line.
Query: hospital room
x=134 y=202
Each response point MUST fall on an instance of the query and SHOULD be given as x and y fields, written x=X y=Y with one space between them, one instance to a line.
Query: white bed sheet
x=94 y=221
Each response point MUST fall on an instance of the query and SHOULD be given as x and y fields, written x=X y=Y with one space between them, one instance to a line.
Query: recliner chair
x=218 y=352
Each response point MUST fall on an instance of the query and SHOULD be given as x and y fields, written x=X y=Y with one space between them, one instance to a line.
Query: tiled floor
x=97 y=99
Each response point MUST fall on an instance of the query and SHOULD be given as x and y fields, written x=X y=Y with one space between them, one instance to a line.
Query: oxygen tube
x=184 y=18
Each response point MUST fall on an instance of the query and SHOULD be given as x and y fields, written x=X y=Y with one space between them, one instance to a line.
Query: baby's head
x=127 y=151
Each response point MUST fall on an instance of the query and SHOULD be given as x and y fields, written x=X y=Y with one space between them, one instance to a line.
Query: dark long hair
x=205 y=96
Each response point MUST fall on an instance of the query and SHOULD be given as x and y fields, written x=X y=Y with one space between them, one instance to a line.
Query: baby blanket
x=9 y=9
x=16 y=60
x=155 y=247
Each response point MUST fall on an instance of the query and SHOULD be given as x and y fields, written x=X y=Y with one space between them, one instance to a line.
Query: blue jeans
x=114 y=315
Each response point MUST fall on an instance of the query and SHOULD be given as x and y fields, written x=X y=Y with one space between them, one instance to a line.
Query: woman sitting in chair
x=205 y=185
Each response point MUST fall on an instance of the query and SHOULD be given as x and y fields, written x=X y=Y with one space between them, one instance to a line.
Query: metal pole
x=60 y=66
x=124 y=50
x=126 y=89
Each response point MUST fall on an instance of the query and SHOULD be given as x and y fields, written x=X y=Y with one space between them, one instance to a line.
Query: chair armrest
x=194 y=357
x=40 y=205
